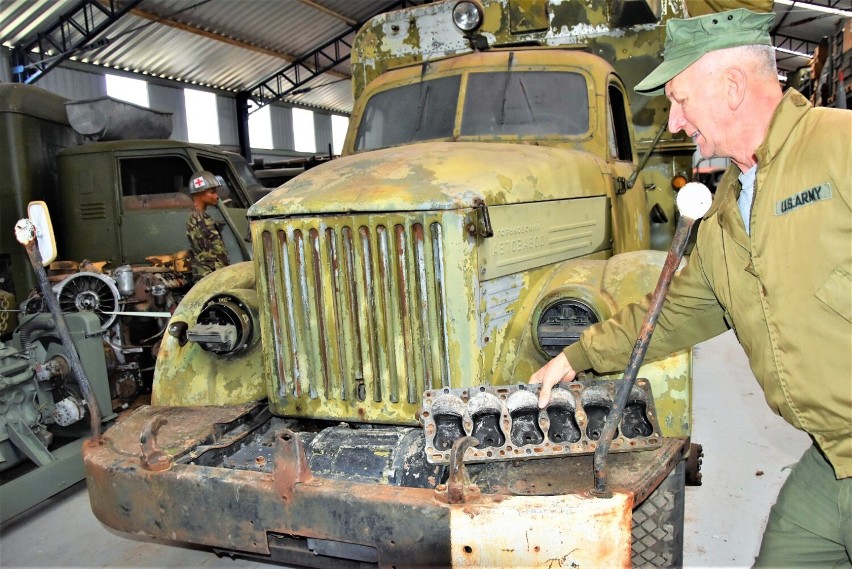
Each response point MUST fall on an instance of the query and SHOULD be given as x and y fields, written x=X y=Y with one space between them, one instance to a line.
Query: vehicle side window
x=619 y=129
x=155 y=182
x=220 y=169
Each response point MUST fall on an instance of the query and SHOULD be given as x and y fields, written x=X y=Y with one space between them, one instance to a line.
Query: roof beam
x=72 y=31
x=329 y=11
x=313 y=64
x=795 y=44
x=189 y=28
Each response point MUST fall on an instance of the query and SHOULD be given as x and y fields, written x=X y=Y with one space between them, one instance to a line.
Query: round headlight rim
x=244 y=315
x=599 y=305
x=476 y=9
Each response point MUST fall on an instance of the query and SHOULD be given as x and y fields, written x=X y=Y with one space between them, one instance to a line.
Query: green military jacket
x=207 y=248
x=786 y=289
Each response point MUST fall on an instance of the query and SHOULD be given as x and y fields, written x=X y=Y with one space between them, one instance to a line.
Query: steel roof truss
x=72 y=31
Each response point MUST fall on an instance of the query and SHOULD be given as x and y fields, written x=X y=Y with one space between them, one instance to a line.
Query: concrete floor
x=747 y=450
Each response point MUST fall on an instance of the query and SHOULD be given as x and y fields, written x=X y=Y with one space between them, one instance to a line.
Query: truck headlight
x=224 y=326
x=561 y=324
x=467 y=15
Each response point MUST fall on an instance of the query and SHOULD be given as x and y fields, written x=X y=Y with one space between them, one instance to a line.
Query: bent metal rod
x=693 y=201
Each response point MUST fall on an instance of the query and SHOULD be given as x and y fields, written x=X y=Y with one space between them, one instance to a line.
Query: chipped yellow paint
x=428 y=35
x=606 y=286
x=189 y=376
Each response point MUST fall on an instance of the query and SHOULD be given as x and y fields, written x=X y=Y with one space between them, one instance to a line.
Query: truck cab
x=131 y=197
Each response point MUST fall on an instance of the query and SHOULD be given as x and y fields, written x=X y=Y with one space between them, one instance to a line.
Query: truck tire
x=658 y=524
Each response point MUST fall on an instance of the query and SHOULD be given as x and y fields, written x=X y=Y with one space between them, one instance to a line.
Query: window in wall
x=339 y=125
x=260 y=128
x=127 y=89
x=202 y=116
x=303 y=131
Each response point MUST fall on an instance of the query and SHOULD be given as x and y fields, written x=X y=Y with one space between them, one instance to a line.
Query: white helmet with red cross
x=202 y=181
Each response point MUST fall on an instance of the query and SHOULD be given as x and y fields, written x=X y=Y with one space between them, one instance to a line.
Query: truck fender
x=189 y=374
x=606 y=286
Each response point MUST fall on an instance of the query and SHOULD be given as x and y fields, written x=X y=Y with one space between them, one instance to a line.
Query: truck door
x=629 y=220
x=235 y=203
x=155 y=204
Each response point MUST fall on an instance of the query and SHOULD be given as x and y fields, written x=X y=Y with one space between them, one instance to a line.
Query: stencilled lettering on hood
x=805 y=197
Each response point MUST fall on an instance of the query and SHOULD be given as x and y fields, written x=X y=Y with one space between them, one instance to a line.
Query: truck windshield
x=520 y=103
x=249 y=179
x=523 y=103
x=410 y=113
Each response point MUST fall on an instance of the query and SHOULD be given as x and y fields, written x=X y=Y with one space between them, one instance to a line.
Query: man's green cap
x=688 y=39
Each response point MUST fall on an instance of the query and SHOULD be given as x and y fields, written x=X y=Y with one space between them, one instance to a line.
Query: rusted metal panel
x=376 y=296
x=185 y=374
x=235 y=509
x=437 y=176
x=554 y=531
x=536 y=234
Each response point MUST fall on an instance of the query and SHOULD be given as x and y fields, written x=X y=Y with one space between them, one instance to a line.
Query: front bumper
x=147 y=477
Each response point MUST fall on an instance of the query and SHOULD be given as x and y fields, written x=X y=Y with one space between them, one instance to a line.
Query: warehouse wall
x=80 y=82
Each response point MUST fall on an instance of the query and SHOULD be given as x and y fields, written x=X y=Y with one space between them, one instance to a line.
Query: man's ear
x=736 y=82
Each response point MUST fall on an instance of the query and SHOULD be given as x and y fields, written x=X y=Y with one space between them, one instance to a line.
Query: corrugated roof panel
x=22 y=19
x=235 y=44
x=251 y=41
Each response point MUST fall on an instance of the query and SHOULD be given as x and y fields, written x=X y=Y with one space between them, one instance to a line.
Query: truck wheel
x=658 y=524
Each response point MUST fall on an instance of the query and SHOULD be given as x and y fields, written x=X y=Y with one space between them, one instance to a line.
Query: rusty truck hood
x=436 y=176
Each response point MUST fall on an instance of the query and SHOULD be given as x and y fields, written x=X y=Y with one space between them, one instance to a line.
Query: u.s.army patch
x=805 y=197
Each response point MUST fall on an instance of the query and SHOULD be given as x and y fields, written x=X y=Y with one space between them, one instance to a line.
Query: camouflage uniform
x=207 y=247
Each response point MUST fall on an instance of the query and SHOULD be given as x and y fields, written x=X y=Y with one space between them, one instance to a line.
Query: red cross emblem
x=198 y=182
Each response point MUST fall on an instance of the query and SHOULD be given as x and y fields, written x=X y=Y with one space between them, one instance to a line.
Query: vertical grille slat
x=339 y=297
x=324 y=348
x=304 y=323
x=441 y=304
x=357 y=345
x=411 y=370
x=422 y=279
x=388 y=324
x=369 y=312
x=358 y=312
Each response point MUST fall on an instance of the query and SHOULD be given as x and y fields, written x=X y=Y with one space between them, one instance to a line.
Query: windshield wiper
x=422 y=108
x=527 y=100
x=506 y=88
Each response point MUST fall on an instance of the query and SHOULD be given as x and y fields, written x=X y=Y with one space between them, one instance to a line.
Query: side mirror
x=38 y=213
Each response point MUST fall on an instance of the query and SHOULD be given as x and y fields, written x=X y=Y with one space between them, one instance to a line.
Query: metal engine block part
x=508 y=424
x=68 y=411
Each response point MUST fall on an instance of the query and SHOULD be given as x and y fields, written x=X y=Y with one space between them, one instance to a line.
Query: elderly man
x=773 y=260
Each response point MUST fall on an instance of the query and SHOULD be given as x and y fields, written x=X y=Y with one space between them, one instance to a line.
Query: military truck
x=356 y=396
x=118 y=200
x=120 y=207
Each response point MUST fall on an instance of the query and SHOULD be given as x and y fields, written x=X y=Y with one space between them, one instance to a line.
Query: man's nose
x=676 y=120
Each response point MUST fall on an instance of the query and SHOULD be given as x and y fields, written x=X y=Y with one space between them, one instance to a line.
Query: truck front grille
x=357 y=314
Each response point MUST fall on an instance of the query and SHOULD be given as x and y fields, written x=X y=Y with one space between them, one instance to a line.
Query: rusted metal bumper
x=540 y=514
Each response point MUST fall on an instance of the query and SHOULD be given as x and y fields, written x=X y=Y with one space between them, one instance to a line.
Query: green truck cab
x=356 y=396
x=119 y=207
x=114 y=201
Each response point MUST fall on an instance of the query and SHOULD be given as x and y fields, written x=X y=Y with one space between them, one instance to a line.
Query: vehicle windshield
x=498 y=104
x=248 y=177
